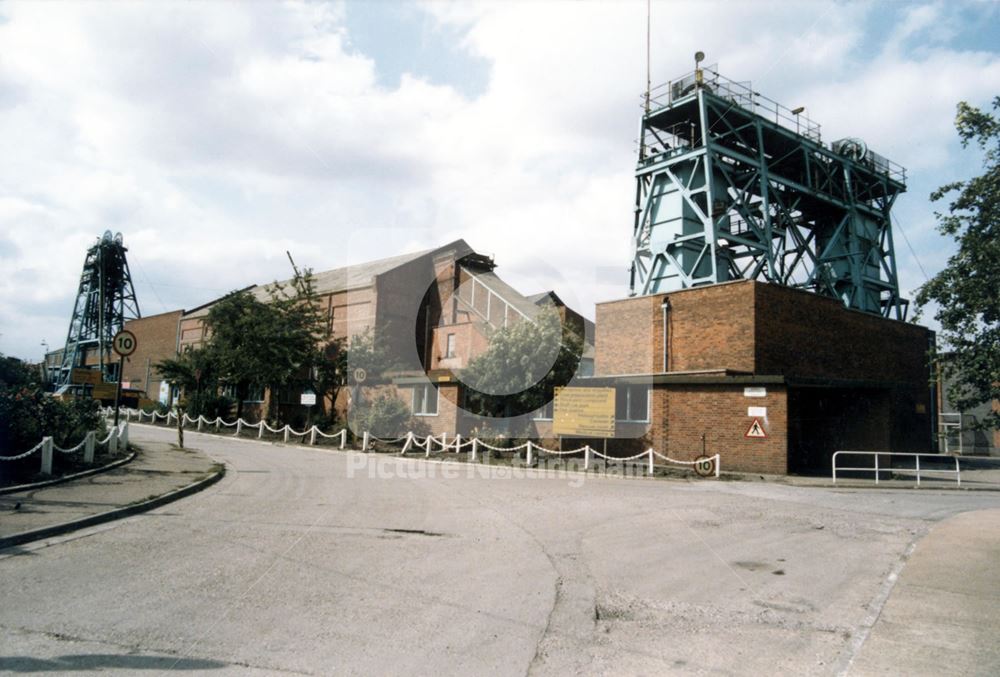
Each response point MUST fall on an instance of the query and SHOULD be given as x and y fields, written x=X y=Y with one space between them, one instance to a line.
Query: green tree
x=522 y=367
x=284 y=341
x=196 y=372
x=967 y=291
x=16 y=373
x=27 y=414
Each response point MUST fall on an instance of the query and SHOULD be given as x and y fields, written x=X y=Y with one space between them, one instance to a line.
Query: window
x=545 y=413
x=632 y=403
x=450 y=346
x=425 y=400
x=255 y=394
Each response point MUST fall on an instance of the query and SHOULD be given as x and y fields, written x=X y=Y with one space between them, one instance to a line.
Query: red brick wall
x=807 y=335
x=682 y=414
x=628 y=337
x=712 y=328
x=707 y=328
x=156 y=337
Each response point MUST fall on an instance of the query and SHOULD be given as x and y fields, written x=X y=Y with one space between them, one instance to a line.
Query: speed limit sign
x=124 y=343
x=704 y=465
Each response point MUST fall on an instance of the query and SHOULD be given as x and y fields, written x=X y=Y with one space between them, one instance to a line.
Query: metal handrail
x=876 y=469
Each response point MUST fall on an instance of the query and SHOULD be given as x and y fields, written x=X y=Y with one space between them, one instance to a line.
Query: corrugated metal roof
x=341 y=279
x=347 y=277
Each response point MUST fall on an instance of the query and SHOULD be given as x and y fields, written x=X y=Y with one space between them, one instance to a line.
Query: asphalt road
x=324 y=562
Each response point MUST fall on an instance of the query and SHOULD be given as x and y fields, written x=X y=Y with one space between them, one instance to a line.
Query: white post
x=475 y=447
x=125 y=436
x=260 y=430
x=46 y=455
x=444 y=438
x=343 y=438
x=958 y=473
x=586 y=457
x=218 y=421
x=876 y=468
x=312 y=436
x=113 y=443
x=650 y=462
x=430 y=439
x=718 y=462
x=239 y=426
x=458 y=443
x=918 y=469
x=529 y=452
x=364 y=441
x=286 y=433
x=201 y=417
x=88 y=448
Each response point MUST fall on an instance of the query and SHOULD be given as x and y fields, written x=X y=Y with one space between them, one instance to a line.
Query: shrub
x=385 y=416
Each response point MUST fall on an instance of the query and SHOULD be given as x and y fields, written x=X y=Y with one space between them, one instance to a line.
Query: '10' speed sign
x=124 y=343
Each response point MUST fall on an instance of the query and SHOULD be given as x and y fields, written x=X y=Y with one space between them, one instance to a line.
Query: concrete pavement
x=308 y=561
x=158 y=469
x=943 y=614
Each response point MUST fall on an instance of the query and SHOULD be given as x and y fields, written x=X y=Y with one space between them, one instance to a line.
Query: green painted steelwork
x=104 y=301
x=732 y=185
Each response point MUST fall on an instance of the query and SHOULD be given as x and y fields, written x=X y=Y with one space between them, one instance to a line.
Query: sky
x=215 y=136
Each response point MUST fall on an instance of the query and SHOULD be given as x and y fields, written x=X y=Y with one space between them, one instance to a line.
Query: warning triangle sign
x=756 y=430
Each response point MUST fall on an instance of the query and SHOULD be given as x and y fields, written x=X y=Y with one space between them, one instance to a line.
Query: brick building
x=156 y=340
x=706 y=362
x=435 y=309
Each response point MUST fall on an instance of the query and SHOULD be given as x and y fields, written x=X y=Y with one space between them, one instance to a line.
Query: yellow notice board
x=105 y=391
x=86 y=376
x=587 y=412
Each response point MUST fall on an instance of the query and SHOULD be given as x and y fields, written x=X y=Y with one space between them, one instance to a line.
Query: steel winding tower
x=104 y=301
x=731 y=185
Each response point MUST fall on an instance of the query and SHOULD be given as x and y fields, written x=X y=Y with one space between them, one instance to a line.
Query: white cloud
x=216 y=136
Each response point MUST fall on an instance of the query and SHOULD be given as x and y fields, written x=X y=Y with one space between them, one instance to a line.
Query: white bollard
x=218 y=422
x=286 y=429
x=650 y=462
x=444 y=439
x=113 y=443
x=125 y=436
x=430 y=439
x=200 y=419
x=239 y=426
x=529 y=452
x=586 y=457
x=312 y=436
x=343 y=438
x=364 y=442
x=88 y=448
x=458 y=443
x=46 y=455
x=475 y=447
x=260 y=430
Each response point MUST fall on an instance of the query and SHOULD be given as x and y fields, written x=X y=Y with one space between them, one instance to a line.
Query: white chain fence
x=704 y=466
x=116 y=440
x=201 y=422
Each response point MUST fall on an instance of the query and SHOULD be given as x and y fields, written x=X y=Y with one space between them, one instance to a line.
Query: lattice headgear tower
x=104 y=301
x=731 y=185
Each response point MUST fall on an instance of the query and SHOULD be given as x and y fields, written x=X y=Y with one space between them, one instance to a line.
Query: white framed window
x=425 y=400
x=632 y=403
x=450 y=346
x=545 y=413
x=255 y=394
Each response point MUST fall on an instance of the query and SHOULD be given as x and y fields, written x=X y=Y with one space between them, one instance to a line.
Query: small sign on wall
x=755 y=392
x=756 y=430
x=757 y=412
